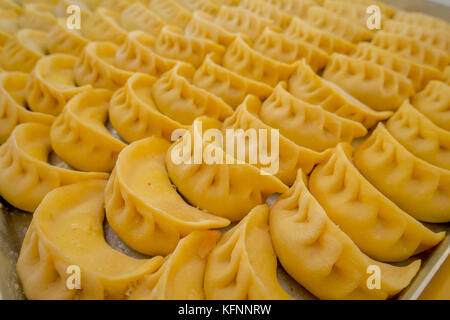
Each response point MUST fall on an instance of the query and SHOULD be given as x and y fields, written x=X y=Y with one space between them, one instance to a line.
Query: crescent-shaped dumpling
x=306 y=85
x=67 y=231
x=420 y=135
x=229 y=188
x=134 y=114
x=243 y=265
x=376 y=225
x=176 y=97
x=37 y=16
x=321 y=257
x=181 y=276
x=305 y=124
x=137 y=16
x=416 y=186
x=103 y=25
x=64 y=40
x=264 y=9
x=142 y=206
x=171 y=11
x=207 y=6
x=291 y=156
x=25 y=175
x=52 y=84
x=23 y=50
x=79 y=135
x=13 y=107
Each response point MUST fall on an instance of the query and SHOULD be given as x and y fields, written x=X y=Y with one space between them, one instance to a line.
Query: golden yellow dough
x=322 y=258
x=67 y=230
x=243 y=265
x=181 y=276
x=416 y=186
x=142 y=206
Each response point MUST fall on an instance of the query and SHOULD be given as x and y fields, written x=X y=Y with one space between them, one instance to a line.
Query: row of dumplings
x=151 y=83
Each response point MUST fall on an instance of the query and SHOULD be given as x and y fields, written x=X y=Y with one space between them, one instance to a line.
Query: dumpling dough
x=142 y=206
x=181 y=276
x=79 y=135
x=322 y=258
x=25 y=175
x=67 y=230
x=226 y=190
x=243 y=265
x=416 y=186
x=376 y=225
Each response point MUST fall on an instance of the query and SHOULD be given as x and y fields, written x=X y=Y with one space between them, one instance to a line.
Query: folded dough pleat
x=103 y=25
x=172 y=43
x=67 y=231
x=37 y=16
x=377 y=86
x=171 y=12
x=422 y=20
x=23 y=50
x=25 y=175
x=309 y=87
x=216 y=182
x=279 y=47
x=412 y=49
x=376 y=225
x=416 y=186
x=328 y=42
x=305 y=124
x=181 y=276
x=419 y=74
x=142 y=206
x=176 y=97
x=242 y=22
x=64 y=40
x=293 y=7
x=351 y=10
x=243 y=265
x=137 y=54
x=321 y=257
x=202 y=25
x=291 y=156
x=228 y=85
x=137 y=16
x=262 y=8
x=242 y=58
x=434 y=102
x=133 y=112
x=340 y=26
x=420 y=135
x=52 y=84
x=207 y=6
x=96 y=67
x=13 y=106
x=79 y=135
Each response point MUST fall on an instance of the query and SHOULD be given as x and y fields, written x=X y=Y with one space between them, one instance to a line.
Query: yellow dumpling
x=309 y=87
x=423 y=20
x=103 y=25
x=416 y=186
x=377 y=86
x=295 y=7
x=420 y=135
x=52 y=84
x=305 y=124
x=328 y=42
x=279 y=47
x=176 y=97
x=64 y=40
x=322 y=258
x=291 y=156
x=243 y=265
x=137 y=16
x=171 y=12
x=79 y=135
x=25 y=175
x=67 y=232
x=419 y=74
x=37 y=16
x=243 y=59
x=222 y=188
x=376 y=225
x=23 y=50
x=228 y=85
x=96 y=67
x=142 y=206
x=13 y=105
x=434 y=102
x=181 y=276
x=133 y=112
x=207 y=6
x=266 y=10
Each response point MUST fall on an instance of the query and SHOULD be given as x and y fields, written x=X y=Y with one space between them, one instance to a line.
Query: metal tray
x=14 y=223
